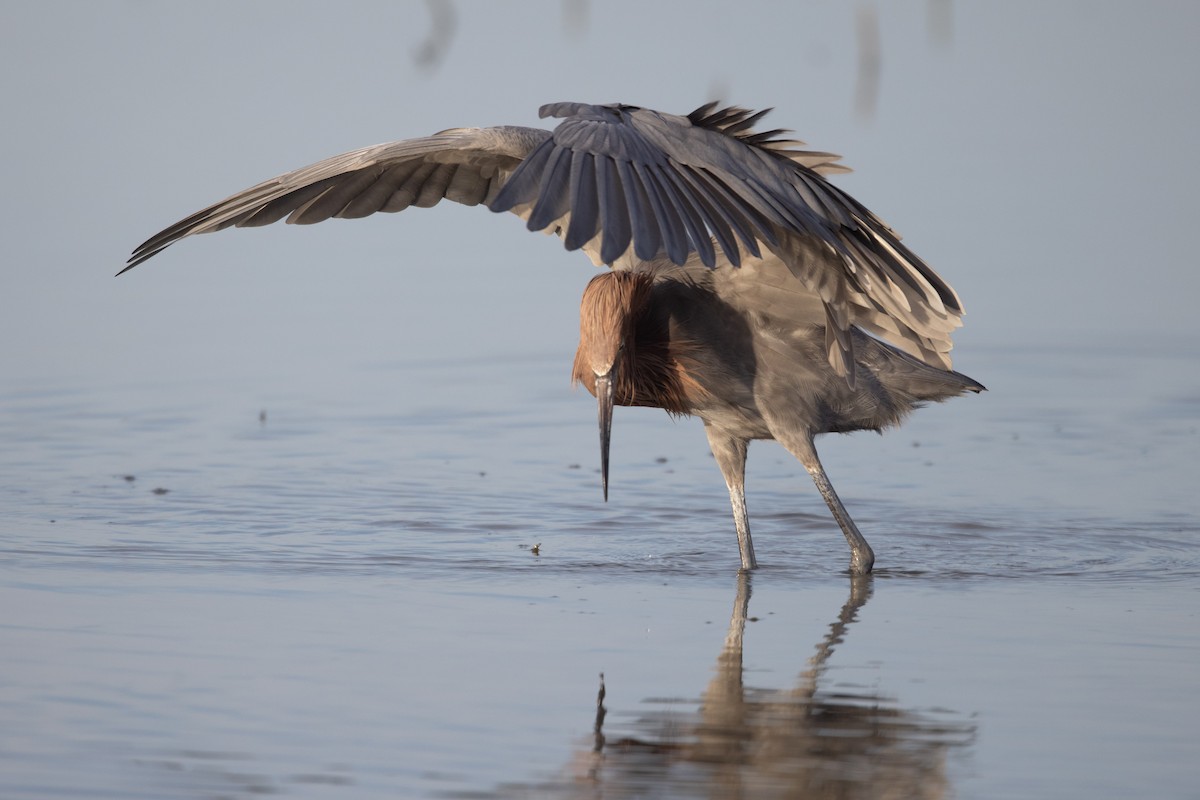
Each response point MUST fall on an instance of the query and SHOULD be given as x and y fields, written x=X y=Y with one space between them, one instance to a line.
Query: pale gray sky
x=1042 y=158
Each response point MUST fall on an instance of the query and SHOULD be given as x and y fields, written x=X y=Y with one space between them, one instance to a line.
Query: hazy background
x=1040 y=155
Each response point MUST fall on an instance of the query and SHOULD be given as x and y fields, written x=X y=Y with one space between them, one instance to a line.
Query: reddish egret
x=743 y=289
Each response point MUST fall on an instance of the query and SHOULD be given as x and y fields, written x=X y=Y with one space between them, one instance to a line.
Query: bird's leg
x=862 y=558
x=730 y=453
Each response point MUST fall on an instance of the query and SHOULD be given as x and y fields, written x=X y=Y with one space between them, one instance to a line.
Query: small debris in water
x=262 y=417
x=660 y=460
x=159 y=490
x=573 y=466
x=129 y=478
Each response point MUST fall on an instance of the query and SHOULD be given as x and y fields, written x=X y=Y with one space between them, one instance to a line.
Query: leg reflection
x=810 y=740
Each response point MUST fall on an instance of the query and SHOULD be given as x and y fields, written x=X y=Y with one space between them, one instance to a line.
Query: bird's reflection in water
x=805 y=742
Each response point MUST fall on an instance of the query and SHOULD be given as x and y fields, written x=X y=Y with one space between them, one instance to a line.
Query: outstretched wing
x=466 y=165
x=626 y=185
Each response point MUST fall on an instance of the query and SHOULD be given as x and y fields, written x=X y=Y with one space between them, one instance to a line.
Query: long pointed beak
x=604 y=396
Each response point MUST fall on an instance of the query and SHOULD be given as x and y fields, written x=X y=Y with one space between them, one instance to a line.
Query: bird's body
x=683 y=348
x=742 y=281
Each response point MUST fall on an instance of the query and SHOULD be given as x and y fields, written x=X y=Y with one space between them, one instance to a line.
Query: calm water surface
x=231 y=585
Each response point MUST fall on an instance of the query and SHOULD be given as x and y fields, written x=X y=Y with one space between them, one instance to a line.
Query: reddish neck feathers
x=616 y=329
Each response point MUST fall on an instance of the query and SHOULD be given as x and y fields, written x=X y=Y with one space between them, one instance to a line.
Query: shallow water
x=224 y=586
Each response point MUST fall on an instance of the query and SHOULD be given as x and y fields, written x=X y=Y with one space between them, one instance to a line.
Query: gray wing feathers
x=465 y=165
x=629 y=185
x=706 y=184
x=672 y=205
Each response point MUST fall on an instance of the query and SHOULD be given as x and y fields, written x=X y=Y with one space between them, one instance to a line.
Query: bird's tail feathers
x=910 y=379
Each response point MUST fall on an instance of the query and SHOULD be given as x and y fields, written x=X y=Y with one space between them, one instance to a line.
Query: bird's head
x=604 y=362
